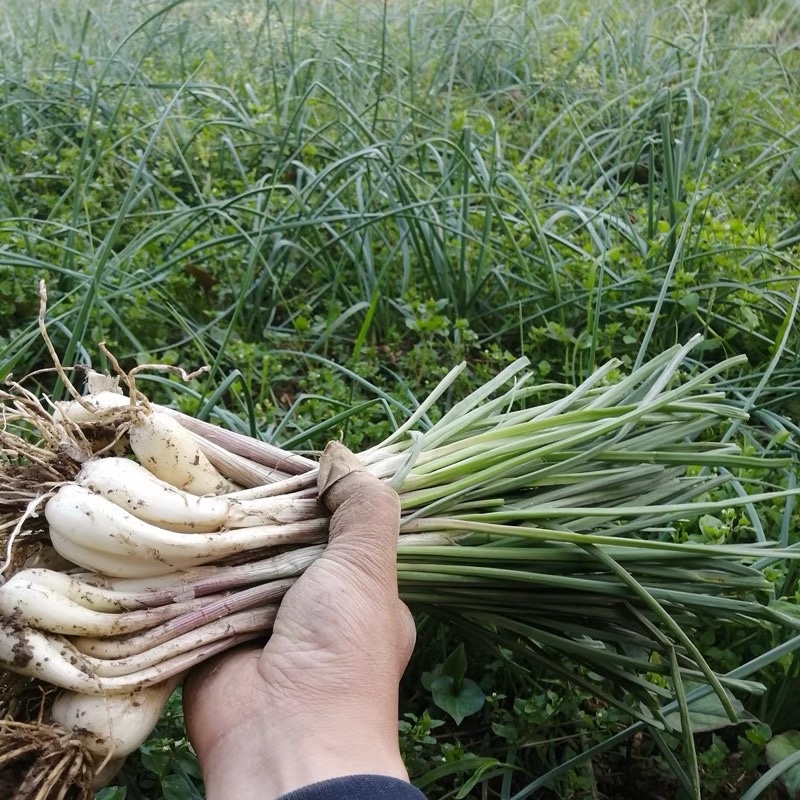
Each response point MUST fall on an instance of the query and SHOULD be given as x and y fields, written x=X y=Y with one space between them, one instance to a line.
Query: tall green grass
x=561 y=181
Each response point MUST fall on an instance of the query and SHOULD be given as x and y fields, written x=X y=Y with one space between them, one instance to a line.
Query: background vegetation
x=331 y=203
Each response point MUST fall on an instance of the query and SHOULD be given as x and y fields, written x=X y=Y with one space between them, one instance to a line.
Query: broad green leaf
x=707 y=713
x=179 y=787
x=456 y=664
x=428 y=678
x=112 y=793
x=457 y=701
x=758 y=734
x=712 y=527
x=155 y=759
x=783 y=746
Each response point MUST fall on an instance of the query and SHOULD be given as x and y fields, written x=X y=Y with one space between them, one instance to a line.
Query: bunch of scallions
x=141 y=541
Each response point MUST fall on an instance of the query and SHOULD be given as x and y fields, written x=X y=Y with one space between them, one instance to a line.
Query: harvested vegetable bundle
x=543 y=525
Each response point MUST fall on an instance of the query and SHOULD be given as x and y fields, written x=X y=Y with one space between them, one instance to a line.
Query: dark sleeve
x=357 y=787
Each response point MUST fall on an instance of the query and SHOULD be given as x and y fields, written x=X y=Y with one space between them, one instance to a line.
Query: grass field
x=331 y=203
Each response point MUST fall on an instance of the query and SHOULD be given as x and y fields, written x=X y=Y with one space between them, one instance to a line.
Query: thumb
x=366 y=514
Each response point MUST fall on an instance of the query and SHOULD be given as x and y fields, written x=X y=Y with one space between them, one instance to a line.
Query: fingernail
x=336 y=462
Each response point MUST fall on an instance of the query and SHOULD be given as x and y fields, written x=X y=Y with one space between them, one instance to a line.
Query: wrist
x=264 y=765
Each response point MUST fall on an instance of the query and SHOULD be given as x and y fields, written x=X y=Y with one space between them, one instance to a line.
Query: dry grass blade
x=31 y=470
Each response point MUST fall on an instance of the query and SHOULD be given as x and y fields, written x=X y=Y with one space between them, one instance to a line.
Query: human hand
x=320 y=700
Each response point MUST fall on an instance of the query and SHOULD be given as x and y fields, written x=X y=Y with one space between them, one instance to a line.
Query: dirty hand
x=320 y=700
